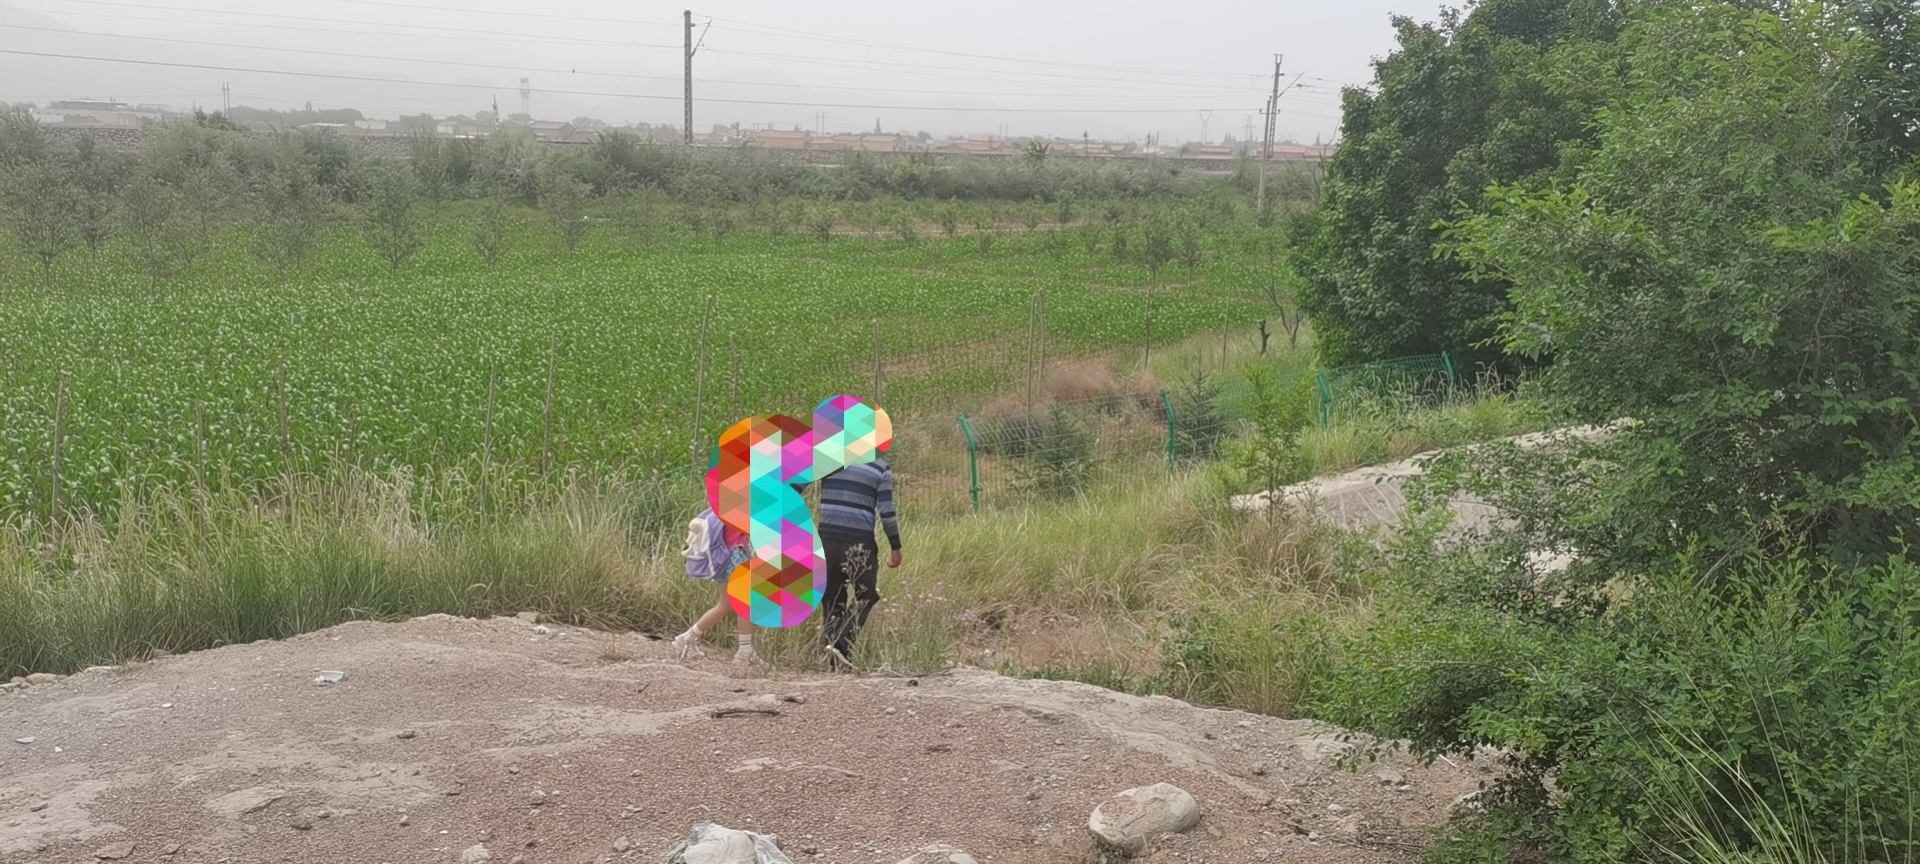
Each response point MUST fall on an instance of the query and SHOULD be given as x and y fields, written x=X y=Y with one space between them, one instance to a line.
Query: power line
x=379 y=80
x=767 y=30
x=511 y=35
x=601 y=21
x=620 y=76
x=842 y=61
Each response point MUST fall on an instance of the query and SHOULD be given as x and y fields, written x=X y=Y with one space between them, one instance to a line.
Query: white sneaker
x=746 y=654
x=687 y=645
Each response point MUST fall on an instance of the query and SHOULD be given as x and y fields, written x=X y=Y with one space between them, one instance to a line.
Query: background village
x=112 y=114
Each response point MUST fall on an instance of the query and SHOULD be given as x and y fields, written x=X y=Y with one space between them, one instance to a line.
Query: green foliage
x=1202 y=423
x=1053 y=452
x=391 y=226
x=491 y=224
x=1724 y=244
x=393 y=371
x=1682 y=722
x=1271 y=457
x=292 y=212
x=152 y=222
x=564 y=197
x=1724 y=668
x=1491 y=98
x=43 y=205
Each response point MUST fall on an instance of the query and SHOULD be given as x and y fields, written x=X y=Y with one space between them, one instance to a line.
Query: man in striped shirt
x=850 y=499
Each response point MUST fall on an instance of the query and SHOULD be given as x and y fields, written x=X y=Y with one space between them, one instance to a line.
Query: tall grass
x=1071 y=587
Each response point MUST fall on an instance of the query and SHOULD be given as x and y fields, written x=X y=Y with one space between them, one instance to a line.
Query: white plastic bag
x=713 y=844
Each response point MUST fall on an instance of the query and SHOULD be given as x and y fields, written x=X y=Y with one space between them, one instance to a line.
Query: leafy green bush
x=1693 y=718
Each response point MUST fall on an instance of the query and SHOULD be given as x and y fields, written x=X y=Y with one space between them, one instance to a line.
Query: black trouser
x=855 y=563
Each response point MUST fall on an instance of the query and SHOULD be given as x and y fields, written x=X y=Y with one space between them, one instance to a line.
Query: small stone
x=1390 y=777
x=889 y=710
x=1033 y=794
x=37 y=807
x=939 y=854
x=301 y=823
x=939 y=748
x=405 y=734
x=513 y=769
x=172 y=849
x=331 y=676
x=1260 y=769
x=405 y=819
x=38 y=678
x=541 y=629
x=795 y=698
x=27 y=740
x=913 y=682
x=518 y=859
x=1127 y=822
x=115 y=852
x=536 y=798
x=476 y=854
x=1336 y=808
x=622 y=844
x=166 y=704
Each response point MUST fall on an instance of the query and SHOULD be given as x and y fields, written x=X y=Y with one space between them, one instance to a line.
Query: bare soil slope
x=555 y=744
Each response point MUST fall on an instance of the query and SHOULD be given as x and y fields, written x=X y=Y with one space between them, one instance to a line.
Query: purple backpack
x=706 y=553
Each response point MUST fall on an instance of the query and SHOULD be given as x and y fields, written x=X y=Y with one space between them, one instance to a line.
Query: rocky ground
x=510 y=741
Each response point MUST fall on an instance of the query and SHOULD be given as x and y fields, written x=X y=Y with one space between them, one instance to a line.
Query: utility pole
x=226 y=99
x=688 y=129
x=1266 y=149
x=1205 y=116
x=526 y=97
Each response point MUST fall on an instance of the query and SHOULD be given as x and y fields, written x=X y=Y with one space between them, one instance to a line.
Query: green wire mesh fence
x=1402 y=384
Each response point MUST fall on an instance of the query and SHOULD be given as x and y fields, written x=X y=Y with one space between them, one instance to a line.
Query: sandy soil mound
x=558 y=744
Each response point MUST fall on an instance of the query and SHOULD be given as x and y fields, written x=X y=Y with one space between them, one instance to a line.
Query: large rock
x=1128 y=822
x=940 y=854
x=713 y=844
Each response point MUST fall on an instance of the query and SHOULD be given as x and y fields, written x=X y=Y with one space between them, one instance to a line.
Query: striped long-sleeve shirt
x=850 y=499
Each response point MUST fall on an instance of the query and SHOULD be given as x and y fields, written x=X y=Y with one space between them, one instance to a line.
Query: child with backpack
x=713 y=550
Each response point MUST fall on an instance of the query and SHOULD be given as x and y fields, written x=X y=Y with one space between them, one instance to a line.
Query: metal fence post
x=1173 y=439
x=1326 y=399
x=973 y=462
x=1452 y=381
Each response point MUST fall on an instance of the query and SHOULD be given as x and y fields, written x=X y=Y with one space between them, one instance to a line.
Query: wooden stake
x=286 y=444
x=486 y=447
x=1040 y=332
x=57 y=507
x=1146 y=354
x=546 y=434
x=1223 y=343
x=733 y=400
x=200 y=439
x=700 y=399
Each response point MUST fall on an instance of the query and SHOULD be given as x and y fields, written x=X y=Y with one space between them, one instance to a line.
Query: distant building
x=99 y=112
x=370 y=125
x=776 y=140
x=976 y=147
x=551 y=130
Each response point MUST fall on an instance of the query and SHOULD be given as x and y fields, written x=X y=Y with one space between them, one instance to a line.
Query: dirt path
x=575 y=746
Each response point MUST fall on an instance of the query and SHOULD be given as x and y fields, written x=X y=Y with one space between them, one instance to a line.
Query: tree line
x=1703 y=216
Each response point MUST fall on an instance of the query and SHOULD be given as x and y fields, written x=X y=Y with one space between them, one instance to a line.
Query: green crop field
x=228 y=376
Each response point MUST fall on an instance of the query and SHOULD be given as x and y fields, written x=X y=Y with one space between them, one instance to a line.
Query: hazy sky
x=1112 y=69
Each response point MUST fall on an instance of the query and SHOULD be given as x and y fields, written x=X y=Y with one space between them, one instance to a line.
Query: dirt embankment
x=558 y=744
